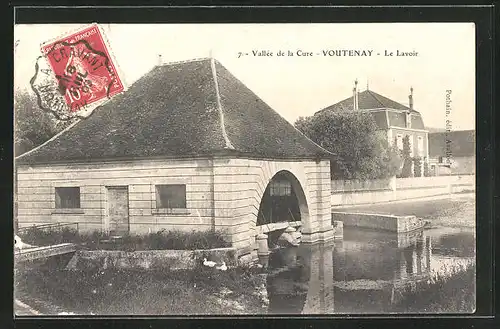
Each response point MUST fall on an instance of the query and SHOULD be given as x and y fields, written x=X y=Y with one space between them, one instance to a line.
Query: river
x=366 y=272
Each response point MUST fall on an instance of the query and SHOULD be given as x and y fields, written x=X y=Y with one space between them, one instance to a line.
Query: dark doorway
x=279 y=203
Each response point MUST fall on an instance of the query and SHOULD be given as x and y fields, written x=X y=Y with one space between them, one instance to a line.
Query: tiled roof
x=367 y=100
x=370 y=100
x=460 y=143
x=179 y=110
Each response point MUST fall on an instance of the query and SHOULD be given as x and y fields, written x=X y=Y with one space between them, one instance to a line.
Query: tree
x=32 y=125
x=417 y=167
x=407 y=159
x=360 y=151
x=427 y=172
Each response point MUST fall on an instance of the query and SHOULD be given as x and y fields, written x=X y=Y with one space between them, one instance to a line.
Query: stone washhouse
x=187 y=147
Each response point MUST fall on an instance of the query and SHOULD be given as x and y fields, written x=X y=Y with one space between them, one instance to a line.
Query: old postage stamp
x=83 y=70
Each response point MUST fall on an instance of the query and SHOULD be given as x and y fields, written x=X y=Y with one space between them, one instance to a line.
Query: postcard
x=244 y=169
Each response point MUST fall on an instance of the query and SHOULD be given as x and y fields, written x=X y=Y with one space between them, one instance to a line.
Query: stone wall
x=404 y=189
x=389 y=223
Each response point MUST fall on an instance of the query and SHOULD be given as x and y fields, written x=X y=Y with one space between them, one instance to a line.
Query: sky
x=299 y=85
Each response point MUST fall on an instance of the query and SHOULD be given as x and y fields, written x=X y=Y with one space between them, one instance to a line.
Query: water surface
x=365 y=272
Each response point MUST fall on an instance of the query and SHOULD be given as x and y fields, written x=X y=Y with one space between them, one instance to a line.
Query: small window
x=408 y=120
x=280 y=188
x=67 y=197
x=410 y=140
x=171 y=196
x=399 y=141
x=420 y=145
x=440 y=160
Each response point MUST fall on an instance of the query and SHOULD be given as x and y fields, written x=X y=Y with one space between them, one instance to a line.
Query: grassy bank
x=203 y=291
x=96 y=240
x=444 y=294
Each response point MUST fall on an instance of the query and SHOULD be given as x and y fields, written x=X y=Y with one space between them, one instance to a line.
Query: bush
x=161 y=240
x=407 y=160
x=417 y=167
x=49 y=236
x=175 y=240
x=451 y=293
x=427 y=172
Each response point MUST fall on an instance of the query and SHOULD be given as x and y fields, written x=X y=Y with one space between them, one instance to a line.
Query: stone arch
x=311 y=182
x=297 y=193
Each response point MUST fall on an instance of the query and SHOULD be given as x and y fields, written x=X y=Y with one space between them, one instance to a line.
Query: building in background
x=452 y=152
x=394 y=119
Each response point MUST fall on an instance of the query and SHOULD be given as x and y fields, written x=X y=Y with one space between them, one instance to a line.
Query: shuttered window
x=67 y=197
x=171 y=196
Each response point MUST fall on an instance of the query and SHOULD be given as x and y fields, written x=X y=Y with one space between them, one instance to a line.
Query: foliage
x=161 y=240
x=176 y=240
x=427 y=172
x=360 y=151
x=435 y=294
x=48 y=236
x=148 y=292
x=417 y=166
x=407 y=159
x=32 y=126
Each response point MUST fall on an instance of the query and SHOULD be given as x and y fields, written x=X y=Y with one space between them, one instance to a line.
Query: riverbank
x=435 y=295
x=204 y=291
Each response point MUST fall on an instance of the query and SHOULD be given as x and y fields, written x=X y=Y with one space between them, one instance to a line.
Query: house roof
x=461 y=143
x=192 y=108
x=372 y=101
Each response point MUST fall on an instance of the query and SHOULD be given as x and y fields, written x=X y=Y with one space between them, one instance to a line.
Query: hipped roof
x=192 y=108
x=370 y=100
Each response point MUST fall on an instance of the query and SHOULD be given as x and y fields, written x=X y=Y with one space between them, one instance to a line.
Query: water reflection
x=301 y=280
x=363 y=273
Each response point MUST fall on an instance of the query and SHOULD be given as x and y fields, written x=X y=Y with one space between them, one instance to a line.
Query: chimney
x=354 y=98
x=410 y=97
x=355 y=92
x=160 y=61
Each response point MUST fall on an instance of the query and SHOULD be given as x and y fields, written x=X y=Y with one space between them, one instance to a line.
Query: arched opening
x=283 y=200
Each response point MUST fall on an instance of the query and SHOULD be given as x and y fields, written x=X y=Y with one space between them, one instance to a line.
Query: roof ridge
x=313 y=142
x=219 y=106
x=373 y=94
x=271 y=109
x=197 y=59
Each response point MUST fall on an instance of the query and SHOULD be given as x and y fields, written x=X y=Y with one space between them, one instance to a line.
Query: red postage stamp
x=83 y=68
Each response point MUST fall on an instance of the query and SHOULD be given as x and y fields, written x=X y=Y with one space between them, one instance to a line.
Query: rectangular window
x=67 y=197
x=410 y=140
x=399 y=141
x=280 y=188
x=420 y=145
x=440 y=159
x=171 y=196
